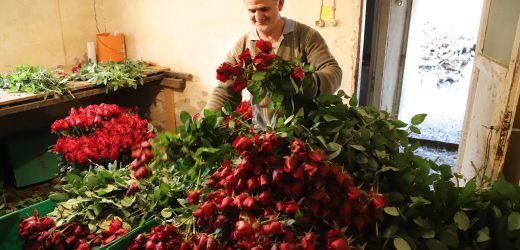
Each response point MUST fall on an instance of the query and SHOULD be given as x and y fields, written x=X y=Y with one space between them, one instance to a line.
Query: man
x=290 y=39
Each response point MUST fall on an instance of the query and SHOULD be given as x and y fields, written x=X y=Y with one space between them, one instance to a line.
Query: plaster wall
x=50 y=33
x=187 y=36
x=194 y=36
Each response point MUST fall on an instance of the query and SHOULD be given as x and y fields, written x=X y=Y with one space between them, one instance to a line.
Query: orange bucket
x=110 y=47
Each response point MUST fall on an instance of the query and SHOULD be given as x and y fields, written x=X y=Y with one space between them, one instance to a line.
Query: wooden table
x=159 y=83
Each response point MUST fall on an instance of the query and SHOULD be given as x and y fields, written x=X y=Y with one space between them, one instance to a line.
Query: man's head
x=264 y=14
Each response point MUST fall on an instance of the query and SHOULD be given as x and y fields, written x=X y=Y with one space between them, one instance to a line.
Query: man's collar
x=287 y=28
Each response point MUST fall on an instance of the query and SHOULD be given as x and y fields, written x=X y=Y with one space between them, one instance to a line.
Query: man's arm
x=328 y=73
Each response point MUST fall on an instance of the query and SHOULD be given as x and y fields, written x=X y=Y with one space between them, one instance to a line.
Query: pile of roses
x=291 y=200
x=160 y=237
x=42 y=233
x=99 y=134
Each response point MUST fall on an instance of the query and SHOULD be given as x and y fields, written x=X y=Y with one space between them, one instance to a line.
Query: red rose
x=224 y=72
x=291 y=207
x=264 y=46
x=309 y=241
x=239 y=84
x=339 y=244
x=297 y=146
x=132 y=189
x=245 y=57
x=353 y=193
x=379 y=202
x=298 y=73
x=45 y=224
x=141 y=172
x=237 y=70
x=243 y=229
x=242 y=143
x=193 y=196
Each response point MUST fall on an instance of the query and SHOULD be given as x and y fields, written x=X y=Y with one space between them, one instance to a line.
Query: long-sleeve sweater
x=297 y=40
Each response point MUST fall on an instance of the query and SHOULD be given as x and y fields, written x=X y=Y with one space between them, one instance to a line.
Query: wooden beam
x=173 y=83
x=179 y=75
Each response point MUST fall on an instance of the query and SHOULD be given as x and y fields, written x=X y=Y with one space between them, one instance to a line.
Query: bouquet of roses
x=267 y=75
x=99 y=134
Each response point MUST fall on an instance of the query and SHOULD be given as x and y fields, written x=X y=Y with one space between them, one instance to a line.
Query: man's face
x=264 y=14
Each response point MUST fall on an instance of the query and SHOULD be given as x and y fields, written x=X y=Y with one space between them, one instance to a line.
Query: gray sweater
x=297 y=40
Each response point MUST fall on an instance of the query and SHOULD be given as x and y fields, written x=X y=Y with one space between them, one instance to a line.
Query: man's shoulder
x=302 y=28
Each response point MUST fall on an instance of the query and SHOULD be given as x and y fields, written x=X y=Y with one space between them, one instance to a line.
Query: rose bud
x=317 y=155
x=132 y=189
x=379 y=202
x=199 y=213
x=136 y=153
x=43 y=236
x=265 y=197
x=242 y=143
x=249 y=203
x=274 y=227
x=193 y=196
x=208 y=208
x=243 y=229
x=57 y=237
x=140 y=239
x=115 y=224
x=45 y=224
x=353 y=193
x=185 y=246
x=136 y=163
x=309 y=241
x=212 y=244
x=71 y=240
x=226 y=203
x=149 y=245
x=146 y=145
x=290 y=164
x=141 y=172
x=339 y=244
x=83 y=245
x=291 y=207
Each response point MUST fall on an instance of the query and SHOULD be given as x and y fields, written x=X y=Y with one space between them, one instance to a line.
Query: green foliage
x=112 y=75
x=32 y=79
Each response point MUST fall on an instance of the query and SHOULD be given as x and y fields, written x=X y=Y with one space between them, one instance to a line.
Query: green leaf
x=401 y=244
x=97 y=209
x=258 y=76
x=449 y=237
x=353 y=102
x=185 y=117
x=483 y=235
x=414 y=129
x=390 y=232
x=513 y=221
x=427 y=233
x=90 y=180
x=462 y=221
x=357 y=147
x=418 y=119
x=127 y=201
x=58 y=197
x=167 y=212
x=423 y=222
x=419 y=201
x=394 y=211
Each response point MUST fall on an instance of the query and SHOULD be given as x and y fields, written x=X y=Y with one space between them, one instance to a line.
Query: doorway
x=432 y=63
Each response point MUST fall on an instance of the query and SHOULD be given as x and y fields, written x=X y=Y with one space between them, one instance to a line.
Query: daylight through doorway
x=439 y=61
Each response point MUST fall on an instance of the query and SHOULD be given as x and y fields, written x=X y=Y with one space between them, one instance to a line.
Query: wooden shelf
x=18 y=102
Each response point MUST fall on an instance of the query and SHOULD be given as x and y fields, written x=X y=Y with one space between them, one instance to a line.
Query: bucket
x=110 y=47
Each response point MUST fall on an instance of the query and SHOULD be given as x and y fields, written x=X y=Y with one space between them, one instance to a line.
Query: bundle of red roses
x=266 y=74
x=99 y=134
x=42 y=233
x=294 y=201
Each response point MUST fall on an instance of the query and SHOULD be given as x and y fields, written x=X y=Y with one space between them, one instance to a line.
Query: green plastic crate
x=30 y=160
x=9 y=239
x=9 y=224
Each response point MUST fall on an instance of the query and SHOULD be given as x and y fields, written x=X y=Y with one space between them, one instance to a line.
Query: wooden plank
x=179 y=75
x=154 y=69
x=177 y=84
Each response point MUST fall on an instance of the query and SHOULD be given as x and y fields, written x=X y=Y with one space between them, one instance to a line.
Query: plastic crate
x=30 y=160
x=9 y=224
x=9 y=239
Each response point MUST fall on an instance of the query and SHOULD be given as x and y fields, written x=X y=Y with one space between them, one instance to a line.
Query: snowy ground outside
x=438 y=69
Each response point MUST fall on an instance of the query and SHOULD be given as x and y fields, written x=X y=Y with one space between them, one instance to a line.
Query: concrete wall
x=190 y=36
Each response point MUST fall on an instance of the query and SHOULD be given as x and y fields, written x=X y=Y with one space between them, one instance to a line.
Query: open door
x=389 y=47
x=494 y=91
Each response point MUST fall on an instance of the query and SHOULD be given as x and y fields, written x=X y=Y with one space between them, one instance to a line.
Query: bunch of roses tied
x=98 y=134
x=43 y=233
x=279 y=194
x=266 y=75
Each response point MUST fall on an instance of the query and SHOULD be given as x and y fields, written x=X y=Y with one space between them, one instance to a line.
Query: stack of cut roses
x=142 y=154
x=276 y=198
x=99 y=134
x=42 y=233
x=161 y=237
